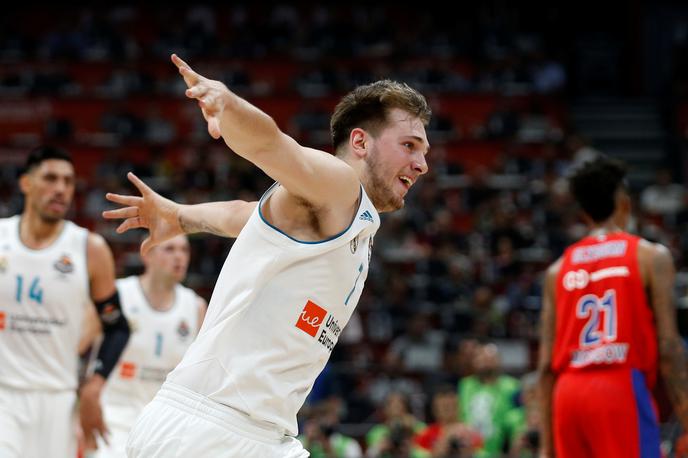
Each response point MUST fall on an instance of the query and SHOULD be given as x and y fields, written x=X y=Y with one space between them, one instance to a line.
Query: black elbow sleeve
x=115 y=334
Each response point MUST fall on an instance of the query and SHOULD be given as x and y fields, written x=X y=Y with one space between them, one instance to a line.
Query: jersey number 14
x=35 y=292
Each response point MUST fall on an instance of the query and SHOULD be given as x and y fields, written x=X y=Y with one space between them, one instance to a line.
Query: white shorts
x=37 y=423
x=181 y=423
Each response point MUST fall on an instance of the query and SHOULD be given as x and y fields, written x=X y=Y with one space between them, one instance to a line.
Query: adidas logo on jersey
x=366 y=216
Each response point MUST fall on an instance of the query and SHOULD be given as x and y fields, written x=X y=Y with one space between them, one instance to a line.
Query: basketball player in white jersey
x=164 y=318
x=51 y=270
x=293 y=276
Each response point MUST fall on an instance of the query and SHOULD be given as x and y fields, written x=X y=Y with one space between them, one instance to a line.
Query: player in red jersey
x=608 y=321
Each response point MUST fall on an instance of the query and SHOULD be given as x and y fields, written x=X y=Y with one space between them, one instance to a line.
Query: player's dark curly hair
x=43 y=153
x=594 y=186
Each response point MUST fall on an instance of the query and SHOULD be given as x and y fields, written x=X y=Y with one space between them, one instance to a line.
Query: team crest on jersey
x=370 y=248
x=3 y=264
x=64 y=264
x=183 y=329
x=353 y=245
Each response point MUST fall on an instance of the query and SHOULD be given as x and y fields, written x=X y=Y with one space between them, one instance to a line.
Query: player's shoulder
x=652 y=250
x=554 y=268
x=9 y=221
x=126 y=282
x=187 y=292
x=96 y=243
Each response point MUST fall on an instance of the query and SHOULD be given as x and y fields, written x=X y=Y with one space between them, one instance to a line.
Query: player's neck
x=605 y=228
x=160 y=294
x=36 y=233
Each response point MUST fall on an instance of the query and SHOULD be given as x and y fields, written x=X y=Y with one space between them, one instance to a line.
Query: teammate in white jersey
x=293 y=276
x=164 y=318
x=51 y=270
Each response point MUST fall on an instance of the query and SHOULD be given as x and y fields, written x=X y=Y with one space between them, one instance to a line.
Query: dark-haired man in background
x=608 y=320
x=51 y=270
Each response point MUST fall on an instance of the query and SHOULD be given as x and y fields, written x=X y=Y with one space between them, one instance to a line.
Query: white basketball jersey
x=43 y=295
x=157 y=343
x=278 y=309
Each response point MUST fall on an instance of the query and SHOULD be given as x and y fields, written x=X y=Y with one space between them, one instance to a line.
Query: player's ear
x=359 y=142
x=25 y=183
x=623 y=202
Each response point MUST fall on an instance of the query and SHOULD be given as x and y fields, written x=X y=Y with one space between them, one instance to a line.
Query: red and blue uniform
x=605 y=353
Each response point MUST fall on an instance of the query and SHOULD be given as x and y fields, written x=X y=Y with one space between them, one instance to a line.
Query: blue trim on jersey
x=260 y=213
x=648 y=429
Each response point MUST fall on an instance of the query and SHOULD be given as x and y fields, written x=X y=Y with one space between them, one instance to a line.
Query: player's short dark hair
x=368 y=106
x=594 y=186
x=43 y=153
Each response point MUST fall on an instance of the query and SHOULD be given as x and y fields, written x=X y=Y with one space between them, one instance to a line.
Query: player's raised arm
x=165 y=219
x=312 y=175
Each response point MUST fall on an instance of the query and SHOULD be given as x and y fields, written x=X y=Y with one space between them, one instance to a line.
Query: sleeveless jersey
x=603 y=318
x=157 y=343
x=43 y=295
x=278 y=309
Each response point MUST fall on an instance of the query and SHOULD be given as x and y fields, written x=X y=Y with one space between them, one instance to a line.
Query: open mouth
x=408 y=182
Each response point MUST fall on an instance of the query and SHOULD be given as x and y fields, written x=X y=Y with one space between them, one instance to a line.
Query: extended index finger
x=140 y=185
x=132 y=201
x=184 y=68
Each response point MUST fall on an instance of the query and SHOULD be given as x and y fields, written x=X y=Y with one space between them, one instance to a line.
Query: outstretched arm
x=546 y=375
x=309 y=174
x=220 y=218
x=673 y=363
x=166 y=219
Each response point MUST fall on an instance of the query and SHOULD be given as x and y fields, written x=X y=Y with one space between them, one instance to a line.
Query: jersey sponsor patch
x=311 y=318
x=579 y=279
x=2 y=321
x=127 y=370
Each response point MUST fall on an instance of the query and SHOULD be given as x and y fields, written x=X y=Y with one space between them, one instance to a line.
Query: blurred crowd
x=438 y=359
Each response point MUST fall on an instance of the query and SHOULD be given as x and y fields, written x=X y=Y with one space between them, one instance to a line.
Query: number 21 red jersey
x=603 y=318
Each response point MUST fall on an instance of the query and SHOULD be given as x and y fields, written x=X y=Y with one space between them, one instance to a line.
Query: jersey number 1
x=589 y=306
x=158 y=344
